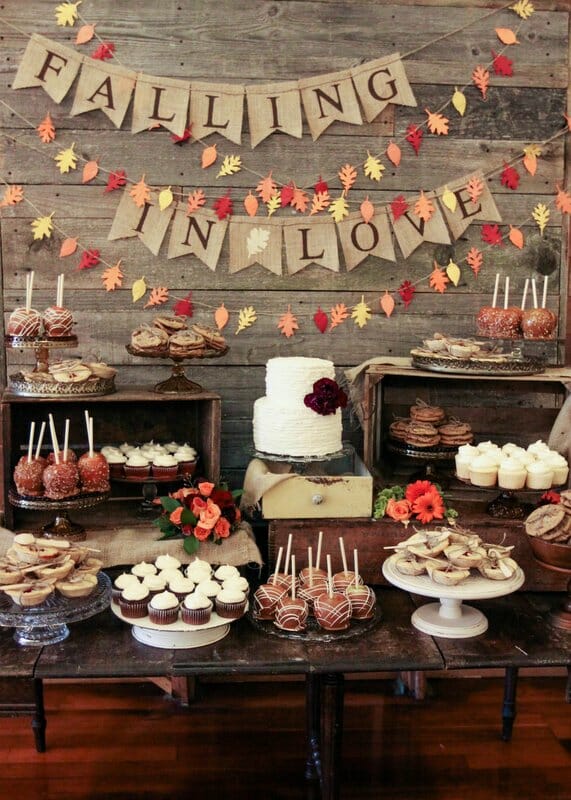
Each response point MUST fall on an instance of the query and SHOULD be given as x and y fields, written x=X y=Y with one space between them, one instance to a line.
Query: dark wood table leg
x=568 y=686
x=313 y=720
x=39 y=719
x=331 y=734
x=509 y=706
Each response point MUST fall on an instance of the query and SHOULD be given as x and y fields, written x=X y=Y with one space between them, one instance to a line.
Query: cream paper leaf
x=257 y=241
x=361 y=313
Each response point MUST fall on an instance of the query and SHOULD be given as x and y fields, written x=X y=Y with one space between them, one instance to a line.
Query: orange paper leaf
x=319 y=202
x=339 y=314
x=516 y=237
x=347 y=176
x=251 y=204
x=113 y=277
x=85 y=34
x=394 y=153
x=299 y=200
x=481 y=78
x=90 y=171
x=563 y=201
x=266 y=188
x=438 y=279
x=437 y=123
x=387 y=303
x=475 y=260
x=423 y=208
x=475 y=187
x=221 y=317
x=12 y=196
x=68 y=247
x=195 y=200
x=530 y=163
x=209 y=156
x=367 y=210
x=287 y=323
x=140 y=193
x=158 y=296
x=46 y=130
x=506 y=36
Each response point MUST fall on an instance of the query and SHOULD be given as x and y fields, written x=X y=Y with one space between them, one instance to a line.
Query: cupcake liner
x=163 y=616
x=134 y=610
x=195 y=616
x=164 y=472
x=230 y=610
x=136 y=472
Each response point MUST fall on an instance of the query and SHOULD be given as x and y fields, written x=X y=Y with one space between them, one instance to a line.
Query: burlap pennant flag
x=49 y=65
x=200 y=234
x=255 y=241
x=274 y=108
x=327 y=98
x=160 y=100
x=310 y=241
x=360 y=239
x=106 y=87
x=466 y=211
x=381 y=82
x=148 y=222
x=217 y=108
x=411 y=231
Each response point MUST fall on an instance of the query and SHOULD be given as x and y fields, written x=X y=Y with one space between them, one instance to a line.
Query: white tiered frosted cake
x=300 y=414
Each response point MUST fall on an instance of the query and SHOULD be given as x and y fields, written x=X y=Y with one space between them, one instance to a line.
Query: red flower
x=417 y=489
x=222 y=528
x=428 y=506
x=198 y=504
x=202 y=533
x=182 y=494
x=549 y=497
x=205 y=488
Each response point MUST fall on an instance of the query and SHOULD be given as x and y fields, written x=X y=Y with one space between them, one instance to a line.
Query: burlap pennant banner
x=360 y=239
x=381 y=82
x=274 y=108
x=310 y=242
x=255 y=241
x=217 y=108
x=328 y=98
x=149 y=223
x=201 y=234
x=466 y=211
x=105 y=87
x=160 y=100
x=50 y=65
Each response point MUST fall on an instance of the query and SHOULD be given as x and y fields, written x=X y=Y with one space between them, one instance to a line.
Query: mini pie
x=149 y=340
x=56 y=571
x=32 y=594
x=77 y=585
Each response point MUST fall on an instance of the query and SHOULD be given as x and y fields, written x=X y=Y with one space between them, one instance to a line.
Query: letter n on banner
x=106 y=87
x=200 y=234
x=160 y=100
x=216 y=108
x=411 y=231
x=466 y=211
x=327 y=98
x=148 y=222
x=255 y=242
x=274 y=108
x=360 y=239
x=381 y=82
x=310 y=241
x=49 y=65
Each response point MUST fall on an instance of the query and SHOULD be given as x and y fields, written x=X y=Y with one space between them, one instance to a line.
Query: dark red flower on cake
x=428 y=507
x=549 y=497
x=417 y=489
x=326 y=397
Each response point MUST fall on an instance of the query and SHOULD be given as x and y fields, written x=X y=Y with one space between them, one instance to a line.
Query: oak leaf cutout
x=112 y=277
x=523 y=8
x=516 y=237
x=43 y=226
x=273 y=203
x=321 y=186
x=287 y=323
x=339 y=209
x=46 y=130
x=399 y=207
x=138 y=289
x=361 y=313
x=185 y=137
x=481 y=79
x=251 y=204
x=66 y=13
x=184 y=307
x=223 y=206
x=158 y=296
x=406 y=291
x=541 y=215
x=387 y=303
x=492 y=235
x=230 y=165
x=338 y=315
x=502 y=65
x=257 y=241
x=221 y=317
x=194 y=201
x=423 y=208
x=286 y=194
x=89 y=259
x=347 y=175
x=414 y=136
x=266 y=188
x=209 y=156
x=319 y=202
x=459 y=101
x=438 y=279
x=373 y=168
x=90 y=171
x=300 y=200
x=68 y=247
x=85 y=34
x=437 y=123
x=394 y=153
x=66 y=159
x=510 y=177
x=12 y=196
x=475 y=187
x=563 y=200
x=246 y=318
x=104 y=52
x=116 y=180
x=140 y=193
x=475 y=260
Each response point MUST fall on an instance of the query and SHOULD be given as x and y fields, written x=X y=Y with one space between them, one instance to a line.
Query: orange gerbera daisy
x=417 y=489
x=428 y=506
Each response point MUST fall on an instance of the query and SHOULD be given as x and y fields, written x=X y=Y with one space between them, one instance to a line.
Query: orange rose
x=210 y=515
x=176 y=515
x=205 y=488
x=398 y=509
x=202 y=533
x=182 y=494
x=197 y=505
x=222 y=528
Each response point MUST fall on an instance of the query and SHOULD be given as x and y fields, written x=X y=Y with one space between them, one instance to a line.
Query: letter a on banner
x=105 y=87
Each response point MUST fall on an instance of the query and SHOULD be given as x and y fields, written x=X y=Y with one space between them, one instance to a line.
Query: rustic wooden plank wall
x=262 y=40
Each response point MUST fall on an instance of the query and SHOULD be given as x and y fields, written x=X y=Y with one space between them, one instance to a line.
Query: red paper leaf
x=104 y=51
x=491 y=234
x=510 y=177
x=186 y=136
x=321 y=187
x=116 y=180
x=502 y=65
x=399 y=206
x=414 y=137
x=321 y=320
x=223 y=206
x=286 y=195
x=89 y=259
x=406 y=291
x=184 y=307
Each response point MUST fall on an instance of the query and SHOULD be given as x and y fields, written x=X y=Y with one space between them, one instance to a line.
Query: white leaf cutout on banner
x=257 y=241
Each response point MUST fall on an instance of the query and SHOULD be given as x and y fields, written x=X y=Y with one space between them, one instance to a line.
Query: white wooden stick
x=59 y=301
x=496 y=287
x=525 y=289
x=356 y=566
x=534 y=292
x=343 y=556
x=329 y=576
x=544 y=298
x=31 y=441
x=288 y=552
x=310 y=563
x=91 y=449
x=278 y=564
x=318 y=554
x=293 y=577
x=66 y=441
x=55 y=443
x=40 y=440
x=507 y=292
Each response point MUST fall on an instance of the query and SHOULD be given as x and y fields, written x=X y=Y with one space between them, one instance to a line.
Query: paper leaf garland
x=321 y=320
x=273 y=204
x=406 y=291
x=184 y=308
x=502 y=65
x=449 y=199
x=321 y=186
x=339 y=209
x=414 y=137
x=230 y=166
x=399 y=206
x=165 y=198
x=339 y=314
x=89 y=259
x=209 y=156
x=394 y=153
x=116 y=180
x=195 y=200
x=475 y=260
x=287 y=323
x=158 y=296
x=266 y=188
x=387 y=303
x=221 y=317
x=68 y=247
x=347 y=175
x=12 y=196
x=453 y=272
x=104 y=52
x=474 y=187
x=319 y=202
x=46 y=130
x=373 y=168
x=251 y=204
x=140 y=193
x=43 y=226
x=510 y=177
x=481 y=79
x=506 y=36
x=286 y=195
x=90 y=171
x=541 y=215
x=459 y=101
x=516 y=237
x=257 y=241
x=112 y=277
x=300 y=200
x=66 y=159
x=361 y=313
x=563 y=200
x=246 y=318
x=66 y=13
x=438 y=279
x=367 y=210
x=523 y=8
x=531 y=154
x=437 y=123
x=223 y=206
x=85 y=34
x=138 y=289
x=492 y=235
x=423 y=208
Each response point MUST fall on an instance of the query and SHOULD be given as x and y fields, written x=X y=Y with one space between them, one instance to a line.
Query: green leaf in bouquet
x=190 y=545
x=187 y=517
x=169 y=503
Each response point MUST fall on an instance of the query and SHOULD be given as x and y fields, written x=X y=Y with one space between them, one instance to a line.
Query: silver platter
x=314 y=632
x=434 y=453
x=92 y=386
x=79 y=502
x=475 y=366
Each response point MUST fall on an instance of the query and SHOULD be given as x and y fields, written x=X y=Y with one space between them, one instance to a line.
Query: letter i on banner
x=274 y=108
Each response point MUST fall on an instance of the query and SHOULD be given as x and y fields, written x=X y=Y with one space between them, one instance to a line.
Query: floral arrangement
x=326 y=397
x=421 y=501
x=196 y=514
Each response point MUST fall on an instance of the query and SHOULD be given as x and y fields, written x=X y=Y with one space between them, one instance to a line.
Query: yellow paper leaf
x=138 y=289
x=68 y=247
x=209 y=156
x=531 y=154
x=90 y=171
x=516 y=237
x=251 y=204
x=112 y=277
x=287 y=323
x=506 y=36
x=273 y=204
x=85 y=34
x=158 y=296
x=221 y=317
x=46 y=130
x=373 y=168
x=339 y=209
x=387 y=303
x=66 y=13
x=367 y=210
x=459 y=101
x=453 y=272
x=246 y=318
x=394 y=153
x=12 y=196
x=361 y=313
x=140 y=193
x=165 y=198
x=43 y=227
x=66 y=159
x=541 y=215
x=230 y=165
x=449 y=199
x=523 y=8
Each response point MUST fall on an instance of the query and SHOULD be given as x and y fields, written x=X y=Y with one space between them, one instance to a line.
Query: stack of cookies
x=552 y=523
x=171 y=336
x=428 y=426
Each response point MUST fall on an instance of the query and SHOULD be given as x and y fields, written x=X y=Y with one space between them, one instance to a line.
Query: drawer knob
x=317 y=499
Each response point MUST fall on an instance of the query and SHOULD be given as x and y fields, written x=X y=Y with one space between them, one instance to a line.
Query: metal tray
x=92 y=386
x=475 y=366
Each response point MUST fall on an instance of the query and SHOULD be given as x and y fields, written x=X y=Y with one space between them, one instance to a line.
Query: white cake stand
x=449 y=618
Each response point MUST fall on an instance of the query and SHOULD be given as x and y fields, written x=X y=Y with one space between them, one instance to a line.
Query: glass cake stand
x=449 y=618
x=48 y=622
x=61 y=527
x=178 y=383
